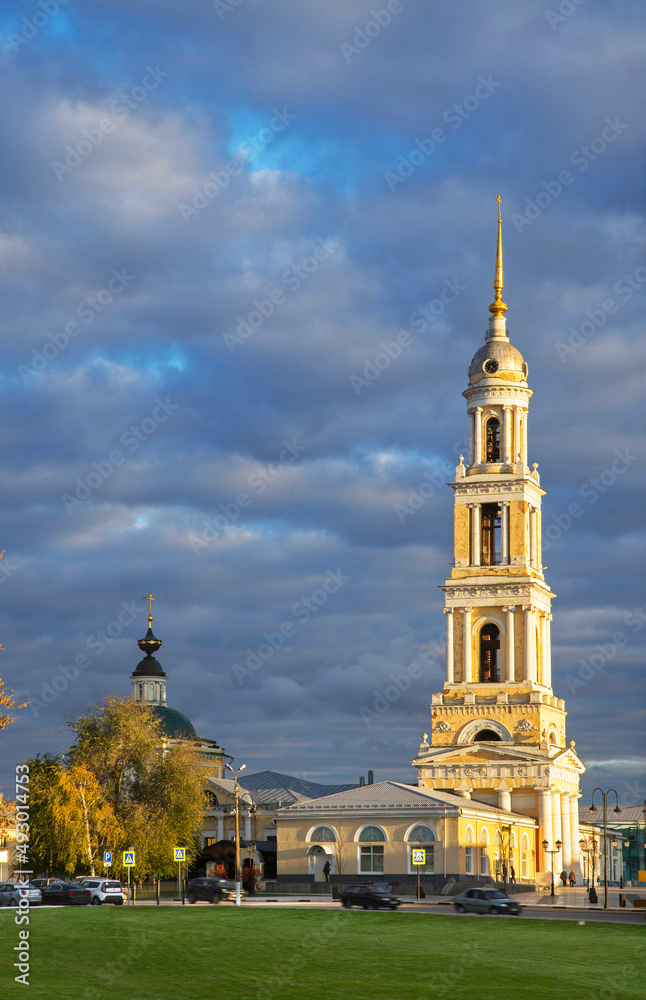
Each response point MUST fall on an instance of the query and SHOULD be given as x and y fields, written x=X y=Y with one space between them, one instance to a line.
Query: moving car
x=11 y=892
x=486 y=901
x=65 y=894
x=103 y=890
x=211 y=889
x=371 y=897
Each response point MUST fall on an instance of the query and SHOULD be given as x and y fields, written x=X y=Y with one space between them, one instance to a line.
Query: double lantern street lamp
x=554 y=851
x=593 y=809
x=235 y=786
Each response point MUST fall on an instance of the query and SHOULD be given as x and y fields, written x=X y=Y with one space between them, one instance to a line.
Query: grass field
x=203 y=953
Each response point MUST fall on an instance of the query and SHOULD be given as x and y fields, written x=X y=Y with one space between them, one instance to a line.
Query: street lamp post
x=554 y=851
x=235 y=787
x=593 y=809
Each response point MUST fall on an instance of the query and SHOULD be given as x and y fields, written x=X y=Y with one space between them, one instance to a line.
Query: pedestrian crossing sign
x=180 y=854
x=128 y=859
x=419 y=857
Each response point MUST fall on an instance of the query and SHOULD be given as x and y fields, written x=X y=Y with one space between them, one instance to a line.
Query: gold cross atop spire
x=498 y=307
x=150 y=600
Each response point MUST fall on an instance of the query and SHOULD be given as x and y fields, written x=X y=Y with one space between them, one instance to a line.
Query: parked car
x=39 y=882
x=65 y=894
x=211 y=889
x=103 y=890
x=11 y=892
x=371 y=897
x=486 y=901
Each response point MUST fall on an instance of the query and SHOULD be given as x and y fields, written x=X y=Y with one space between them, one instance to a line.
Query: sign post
x=128 y=862
x=418 y=858
x=180 y=855
x=107 y=859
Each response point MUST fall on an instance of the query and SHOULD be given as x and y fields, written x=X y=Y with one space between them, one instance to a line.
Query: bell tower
x=497 y=708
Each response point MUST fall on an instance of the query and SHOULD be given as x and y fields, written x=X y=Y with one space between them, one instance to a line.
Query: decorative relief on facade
x=524 y=726
x=443 y=727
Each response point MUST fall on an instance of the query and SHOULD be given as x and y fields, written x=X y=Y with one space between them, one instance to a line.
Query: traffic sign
x=107 y=858
x=128 y=859
x=180 y=854
x=419 y=857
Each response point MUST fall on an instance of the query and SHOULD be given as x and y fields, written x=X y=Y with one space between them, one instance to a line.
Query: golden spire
x=498 y=307
x=150 y=600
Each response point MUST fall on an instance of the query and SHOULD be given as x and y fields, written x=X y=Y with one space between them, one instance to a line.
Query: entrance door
x=317 y=857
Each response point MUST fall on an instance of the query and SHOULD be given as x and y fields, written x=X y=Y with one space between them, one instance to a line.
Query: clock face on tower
x=490 y=366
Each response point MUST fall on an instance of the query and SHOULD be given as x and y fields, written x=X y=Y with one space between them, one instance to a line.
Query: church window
x=323 y=835
x=211 y=799
x=489 y=654
x=524 y=857
x=141 y=691
x=490 y=535
x=492 y=439
x=484 y=860
x=486 y=735
x=421 y=835
x=468 y=857
x=151 y=692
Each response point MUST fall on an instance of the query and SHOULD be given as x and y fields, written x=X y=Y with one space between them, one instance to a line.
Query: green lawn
x=204 y=953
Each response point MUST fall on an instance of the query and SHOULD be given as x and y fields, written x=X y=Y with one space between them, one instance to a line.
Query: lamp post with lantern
x=235 y=787
x=593 y=809
x=555 y=850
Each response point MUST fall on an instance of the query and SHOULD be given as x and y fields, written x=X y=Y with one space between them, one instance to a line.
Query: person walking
x=512 y=875
x=326 y=871
x=572 y=878
x=564 y=877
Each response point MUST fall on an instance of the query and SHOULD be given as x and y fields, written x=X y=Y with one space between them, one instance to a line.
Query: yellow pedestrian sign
x=180 y=854
x=419 y=857
x=128 y=859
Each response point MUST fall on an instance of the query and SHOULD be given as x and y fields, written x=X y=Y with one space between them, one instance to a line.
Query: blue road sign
x=107 y=858
x=180 y=854
x=128 y=859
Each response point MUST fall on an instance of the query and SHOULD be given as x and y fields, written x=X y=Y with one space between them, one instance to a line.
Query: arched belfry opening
x=492 y=439
x=486 y=735
x=489 y=654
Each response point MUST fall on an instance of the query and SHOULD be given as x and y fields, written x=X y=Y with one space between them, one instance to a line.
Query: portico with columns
x=498 y=729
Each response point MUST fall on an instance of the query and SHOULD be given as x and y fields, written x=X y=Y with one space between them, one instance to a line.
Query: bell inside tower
x=492 y=439
x=490 y=654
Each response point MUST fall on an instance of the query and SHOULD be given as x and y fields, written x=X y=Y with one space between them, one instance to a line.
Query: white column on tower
x=543 y=657
x=544 y=826
x=466 y=645
x=517 y=442
x=472 y=425
x=547 y=663
x=506 y=431
x=525 y=436
x=478 y=435
x=511 y=667
x=449 y=645
x=532 y=536
x=475 y=534
x=530 y=643
x=557 y=833
x=566 y=831
x=504 y=532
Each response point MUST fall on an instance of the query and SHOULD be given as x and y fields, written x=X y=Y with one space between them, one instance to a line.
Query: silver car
x=486 y=901
x=11 y=892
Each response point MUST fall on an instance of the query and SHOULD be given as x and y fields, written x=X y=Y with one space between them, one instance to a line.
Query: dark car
x=371 y=897
x=486 y=901
x=211 y=889
x=65 y=894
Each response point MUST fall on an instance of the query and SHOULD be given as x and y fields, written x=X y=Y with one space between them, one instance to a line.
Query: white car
x=103 y=890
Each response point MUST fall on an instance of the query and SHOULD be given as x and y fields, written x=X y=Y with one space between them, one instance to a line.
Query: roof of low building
x=273 y=787
x=628 y=814
x=395 y=795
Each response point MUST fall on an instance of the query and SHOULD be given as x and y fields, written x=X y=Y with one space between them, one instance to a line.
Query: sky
x=222 y=226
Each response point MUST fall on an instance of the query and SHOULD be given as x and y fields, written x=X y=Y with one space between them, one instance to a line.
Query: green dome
x=173 y=724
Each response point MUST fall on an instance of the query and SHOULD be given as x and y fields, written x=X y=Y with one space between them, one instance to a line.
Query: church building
x=497 y=728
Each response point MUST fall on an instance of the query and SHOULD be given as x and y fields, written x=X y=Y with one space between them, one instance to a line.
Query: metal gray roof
x=628 y=814
x=271 y=787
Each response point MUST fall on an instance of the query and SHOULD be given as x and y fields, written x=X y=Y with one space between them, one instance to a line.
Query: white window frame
x=372 y=846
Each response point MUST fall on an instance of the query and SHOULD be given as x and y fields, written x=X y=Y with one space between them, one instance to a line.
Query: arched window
x=524 y=857
x=421 y=834
x=492 y=439
x=322 y=835
x=490 y=535
x=211 y=799
x=469 y=840
x=489 y=653
x=151 y=692
x=371 y=851
x=485 y=735
x=484 y=853
x=141 y=691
